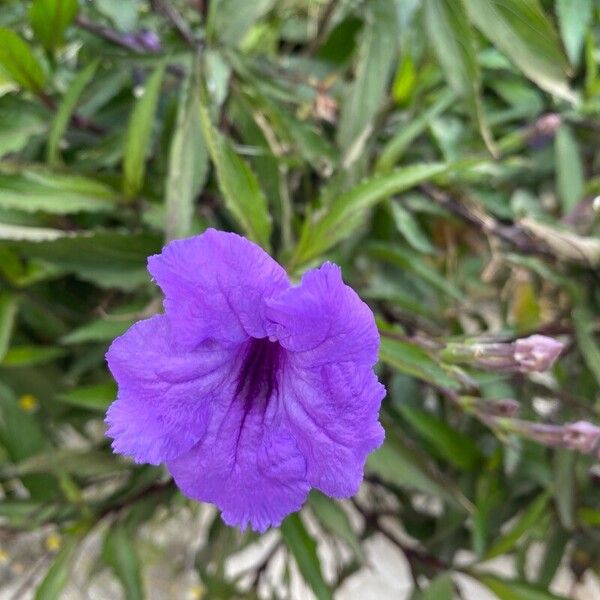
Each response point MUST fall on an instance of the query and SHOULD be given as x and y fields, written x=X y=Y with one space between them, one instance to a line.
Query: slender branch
x=123 y=40
x=168 y=11
x=322 y=28
x=513 y=234
x=76 y=120
x=412 y=554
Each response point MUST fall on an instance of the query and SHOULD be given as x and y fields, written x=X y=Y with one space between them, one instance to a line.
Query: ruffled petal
x=166 y=395
x=323 y=321
x=248 y=464
x=332 y=397
x=332 y=411
x=215 y=285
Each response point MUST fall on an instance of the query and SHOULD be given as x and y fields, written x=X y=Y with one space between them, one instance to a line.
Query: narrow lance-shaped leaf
x=139 y=133
x=507 y=589
x=8 y=313
x=569 y=169
x=304 y=550
x=32 y=190
x=521 y=30
x=49 y=20
x=397 y=464
x=393 y=150
x=333 y=518
x=19 y=63
x=188 y=163
x=65 y=110
x=452 y=38
x=376 y=58
x=441 y=588
x=526 y=521
x=58 y=574
x=574 y=18
x=346 y=213
x=120 y=554
x=239 y=185
x=449 y=444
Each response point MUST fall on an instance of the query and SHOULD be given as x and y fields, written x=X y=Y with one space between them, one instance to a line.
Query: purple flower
x=251 y=390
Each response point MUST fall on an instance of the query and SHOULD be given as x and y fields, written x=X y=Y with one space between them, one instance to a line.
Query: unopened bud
x=582 y=436
x=148 y=40
x=543 y=130
x=536 y=353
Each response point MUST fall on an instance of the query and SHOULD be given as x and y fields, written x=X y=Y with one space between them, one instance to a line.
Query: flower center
x=258 y=376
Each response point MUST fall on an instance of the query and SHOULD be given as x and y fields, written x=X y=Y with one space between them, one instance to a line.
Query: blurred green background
x=443 y=152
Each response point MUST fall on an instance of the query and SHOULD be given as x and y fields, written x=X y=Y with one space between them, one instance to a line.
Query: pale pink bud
x=536 y=352
x=582 y=436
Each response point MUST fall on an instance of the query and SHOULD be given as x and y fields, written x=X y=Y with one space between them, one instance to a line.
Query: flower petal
x=248 y=464
x=324 y=321
x=332 y=411
x=165 y=394
x=332 y=397
x=215 y=285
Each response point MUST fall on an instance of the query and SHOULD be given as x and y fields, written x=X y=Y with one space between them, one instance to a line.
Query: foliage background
x=443 y=152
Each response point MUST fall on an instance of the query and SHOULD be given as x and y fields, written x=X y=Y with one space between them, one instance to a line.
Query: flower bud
x=148 y=40
x=536 y=353
x=582 y=436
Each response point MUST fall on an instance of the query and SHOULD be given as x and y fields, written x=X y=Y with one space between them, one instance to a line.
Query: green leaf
x=108 y=259
x=32 y=234
x=19 y=123
x=569 y=169
x=397 y=464
x=8 y=314
x=393 y=151
x=50 y=18
x=507 y=589
x=574 y=18
x=231 y=20
x=376 y=59
x=58 y=574
x=32 y=190
x=440 y=588
x=188 y=164
x=90 y=397
x=24 y=356
x=451 y=445
x=414 y=263
x=139 y=134
x=347 y=211
x=239 y=185
x=65 y=110
x=20 y=432
x=452 y=38
x=304 y=550
x=414 y=361
x=526 y=521
x=556 y=545
x=582 y=320
x=102 y=330
x=565 y=486
x=408 y=226
x=90 y=463
x=334 y=519
x=521 y=30
x=120 y=554
x=19 y=63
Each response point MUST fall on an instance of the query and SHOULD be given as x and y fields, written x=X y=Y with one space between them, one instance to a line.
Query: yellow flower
x=197 y=592
x=28 y=402
x=3 y=557
x=53 y=542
